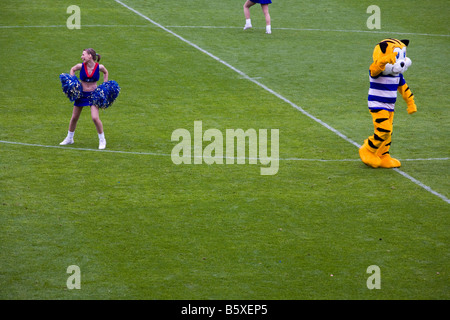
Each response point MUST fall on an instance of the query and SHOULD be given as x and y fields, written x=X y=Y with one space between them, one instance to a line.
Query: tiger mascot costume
x=386 y=78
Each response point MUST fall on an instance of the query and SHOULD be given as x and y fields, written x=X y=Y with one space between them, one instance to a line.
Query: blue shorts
x=262 y=1
x=85 y=99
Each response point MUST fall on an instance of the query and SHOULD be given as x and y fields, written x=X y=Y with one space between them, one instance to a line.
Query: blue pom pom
x=105 y=94
x=71 y=86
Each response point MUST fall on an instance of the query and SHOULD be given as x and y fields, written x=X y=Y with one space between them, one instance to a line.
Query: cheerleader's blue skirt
x=84 y=100
x=262 y=1
x=103 y=96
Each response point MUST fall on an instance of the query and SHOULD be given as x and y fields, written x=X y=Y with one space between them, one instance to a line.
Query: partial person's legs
x=248 y=21
x=265 y=9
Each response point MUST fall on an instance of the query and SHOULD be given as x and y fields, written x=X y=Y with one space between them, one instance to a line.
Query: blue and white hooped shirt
x=383 y=91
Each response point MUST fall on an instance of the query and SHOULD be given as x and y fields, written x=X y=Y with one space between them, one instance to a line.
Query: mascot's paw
x=388 y=58
x=388 y=162
x=411 y=108
x=368 y=157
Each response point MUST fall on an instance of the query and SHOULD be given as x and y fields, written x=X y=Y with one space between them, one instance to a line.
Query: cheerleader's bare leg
x=248 y=22
x=265 y=9
x=75 y=116
x=99 y=126
x=96 y=118
x=72 y=126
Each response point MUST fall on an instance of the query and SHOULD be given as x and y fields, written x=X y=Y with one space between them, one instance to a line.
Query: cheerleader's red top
x=94 y=76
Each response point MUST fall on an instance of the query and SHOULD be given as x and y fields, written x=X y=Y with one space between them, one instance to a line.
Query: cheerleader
x=265 y=8
x=86 y=93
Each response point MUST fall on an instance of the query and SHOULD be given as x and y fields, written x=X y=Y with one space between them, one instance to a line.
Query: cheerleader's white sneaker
x=66 y=141
x=247 y=26
x=102 y=144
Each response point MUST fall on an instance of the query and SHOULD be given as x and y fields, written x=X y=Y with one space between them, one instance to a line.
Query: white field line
x=242 y=74
x=82 y=26
x=275 y=94
x=84 y=149
x=168 y=155
x=231 y=27
x=320 y=30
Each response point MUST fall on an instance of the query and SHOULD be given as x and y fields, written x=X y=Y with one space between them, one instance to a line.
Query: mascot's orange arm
x=408 y=96
x=379 y=65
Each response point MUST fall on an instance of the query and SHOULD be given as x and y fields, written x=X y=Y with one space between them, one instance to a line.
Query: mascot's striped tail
x=105 y=94
x=71 y=86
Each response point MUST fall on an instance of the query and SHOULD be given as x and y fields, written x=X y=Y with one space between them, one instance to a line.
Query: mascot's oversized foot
x=368 y=157
x=388 y=162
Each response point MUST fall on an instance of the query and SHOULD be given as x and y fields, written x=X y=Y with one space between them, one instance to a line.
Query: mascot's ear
x=406 y=42
x=383 y=46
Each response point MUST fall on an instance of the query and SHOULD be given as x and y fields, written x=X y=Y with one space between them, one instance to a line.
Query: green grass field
x=140 y=227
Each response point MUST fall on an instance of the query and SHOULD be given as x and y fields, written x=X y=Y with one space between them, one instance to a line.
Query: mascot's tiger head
x=388 y=46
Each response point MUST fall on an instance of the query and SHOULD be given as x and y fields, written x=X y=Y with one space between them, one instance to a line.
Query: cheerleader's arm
x=75 y=68
x=105 y=73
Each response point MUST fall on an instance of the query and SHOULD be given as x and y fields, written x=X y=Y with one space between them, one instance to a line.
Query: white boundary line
x=275 y=94
x=83 y=149
x=231 y=27
x=168 y=155
x=245 y=76
x=320 y=30
x=84 y=25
